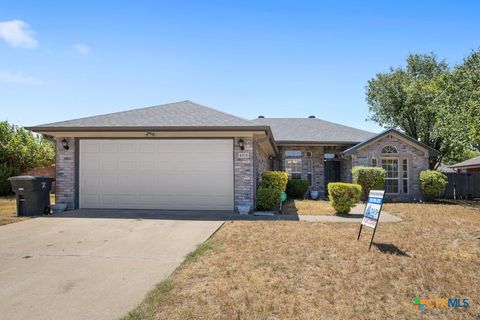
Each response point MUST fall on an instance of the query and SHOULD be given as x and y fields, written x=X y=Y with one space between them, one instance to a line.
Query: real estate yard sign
x=372 y=212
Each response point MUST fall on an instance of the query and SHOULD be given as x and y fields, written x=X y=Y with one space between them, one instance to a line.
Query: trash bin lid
x=22 y=178
x=26 y=178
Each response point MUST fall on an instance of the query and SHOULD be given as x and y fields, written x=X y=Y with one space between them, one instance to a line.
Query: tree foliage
x=21 y=150
x=430 y=102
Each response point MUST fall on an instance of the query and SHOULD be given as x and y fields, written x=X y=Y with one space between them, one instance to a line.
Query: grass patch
x=308 y=207
x=200 y=250
x=300 y=270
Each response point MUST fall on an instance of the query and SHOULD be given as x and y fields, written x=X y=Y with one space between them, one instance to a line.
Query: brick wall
x=244 y=173
x=43 y=172
x=318 y=177
x=262 y=163
x=65 y=173
x=418 y=161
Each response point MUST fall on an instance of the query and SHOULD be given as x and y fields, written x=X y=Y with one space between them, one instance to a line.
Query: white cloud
x=81 y=48
x=18 y=78
x=18 y=34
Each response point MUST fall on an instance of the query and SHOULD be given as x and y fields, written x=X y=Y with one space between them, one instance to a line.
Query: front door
x=332 y=173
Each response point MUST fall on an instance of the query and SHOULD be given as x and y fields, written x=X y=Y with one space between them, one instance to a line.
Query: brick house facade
x=185 y=155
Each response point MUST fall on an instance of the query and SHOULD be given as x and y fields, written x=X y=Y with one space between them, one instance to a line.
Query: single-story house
x=467 y=166
x=187 y=156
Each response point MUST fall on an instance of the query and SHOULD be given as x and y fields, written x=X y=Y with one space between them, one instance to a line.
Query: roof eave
x=465 y=166
x=41 y=129
x=300 y=142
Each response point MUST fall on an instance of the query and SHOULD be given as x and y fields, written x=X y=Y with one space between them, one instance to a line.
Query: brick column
x=244 y=173
x=65 y=173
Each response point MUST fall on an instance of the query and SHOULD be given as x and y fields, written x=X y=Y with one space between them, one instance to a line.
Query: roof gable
x=352 y=150
x=312 y=130
x=175 y=115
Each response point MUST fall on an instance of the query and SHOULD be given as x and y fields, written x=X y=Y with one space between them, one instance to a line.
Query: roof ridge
x=313 y=119
x=219 y=111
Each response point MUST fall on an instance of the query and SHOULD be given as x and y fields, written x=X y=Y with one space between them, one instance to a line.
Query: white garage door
x=156 y=174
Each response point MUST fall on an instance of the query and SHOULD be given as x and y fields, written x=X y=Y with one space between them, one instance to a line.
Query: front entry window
x=391 y=176
x=294 y=168
x=293 y=153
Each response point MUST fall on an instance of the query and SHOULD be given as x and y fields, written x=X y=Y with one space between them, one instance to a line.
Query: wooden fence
x=463 y=186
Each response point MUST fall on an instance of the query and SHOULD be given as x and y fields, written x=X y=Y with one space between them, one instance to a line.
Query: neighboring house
x=467 y=166
x=445 y=168
x=187 y=156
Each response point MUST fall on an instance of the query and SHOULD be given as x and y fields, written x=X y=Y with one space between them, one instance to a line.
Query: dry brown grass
x=296 y=270
x=8 y=210
x=308 y=207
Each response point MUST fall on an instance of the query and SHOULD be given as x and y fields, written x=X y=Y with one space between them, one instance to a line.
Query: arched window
x=389 y=150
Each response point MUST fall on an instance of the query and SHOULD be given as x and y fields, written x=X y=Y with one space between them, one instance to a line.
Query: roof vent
x=261 y=117
x=311 y=117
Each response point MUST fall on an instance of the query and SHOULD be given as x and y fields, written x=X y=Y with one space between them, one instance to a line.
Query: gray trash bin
x=32 y=195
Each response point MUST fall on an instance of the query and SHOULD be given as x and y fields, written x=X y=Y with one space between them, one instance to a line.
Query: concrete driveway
x=89 y=268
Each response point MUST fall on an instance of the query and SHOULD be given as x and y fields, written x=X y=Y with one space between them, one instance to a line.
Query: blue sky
x=61 y=61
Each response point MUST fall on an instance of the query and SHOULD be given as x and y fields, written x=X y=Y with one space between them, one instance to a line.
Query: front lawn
x=8 y=210
x=308 y=207
x=301 y=270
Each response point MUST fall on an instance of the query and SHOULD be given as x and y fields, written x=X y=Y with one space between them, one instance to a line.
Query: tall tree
x=413 y=99
x=462 y=101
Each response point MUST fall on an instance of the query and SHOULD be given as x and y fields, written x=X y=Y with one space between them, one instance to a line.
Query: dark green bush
x=21 y=150
x=296 y=188
x=370 y=178
x=274 y=179
x=268 y=198
x=6 y=171
x=344 y=196
x=432 y=183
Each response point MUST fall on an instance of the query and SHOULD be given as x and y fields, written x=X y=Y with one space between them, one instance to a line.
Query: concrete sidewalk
x=355 y=216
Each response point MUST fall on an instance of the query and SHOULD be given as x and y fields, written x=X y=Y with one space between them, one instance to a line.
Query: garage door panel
x=156 y=174
x=110 y=147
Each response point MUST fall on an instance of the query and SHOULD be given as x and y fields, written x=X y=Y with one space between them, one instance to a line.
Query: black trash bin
x=32 y=194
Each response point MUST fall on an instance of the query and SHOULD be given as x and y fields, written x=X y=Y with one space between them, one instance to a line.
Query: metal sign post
x=371 y=215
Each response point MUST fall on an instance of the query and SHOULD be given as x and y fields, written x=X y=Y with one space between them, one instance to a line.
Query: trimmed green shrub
x=370 y=178
x=268 y=198
x=296 y=188
x=274 y=179
x=432 y=183
x=344 y=196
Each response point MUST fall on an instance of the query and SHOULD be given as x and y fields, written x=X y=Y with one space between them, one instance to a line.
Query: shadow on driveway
x=168 y=215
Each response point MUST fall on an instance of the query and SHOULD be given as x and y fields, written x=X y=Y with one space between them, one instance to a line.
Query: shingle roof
x=467 y=163
x=312 y=130
x=175 y=115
